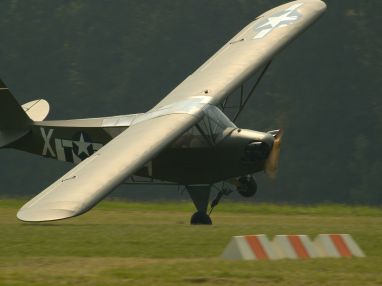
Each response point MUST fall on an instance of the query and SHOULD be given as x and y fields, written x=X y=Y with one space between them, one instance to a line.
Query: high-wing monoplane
x=185 y=139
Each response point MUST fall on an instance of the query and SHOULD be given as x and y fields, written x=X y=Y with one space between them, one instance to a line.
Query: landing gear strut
x=200 y=195
x=220 y=194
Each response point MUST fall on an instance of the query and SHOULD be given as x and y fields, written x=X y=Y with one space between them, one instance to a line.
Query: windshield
x=213 y=127
x=214 y=123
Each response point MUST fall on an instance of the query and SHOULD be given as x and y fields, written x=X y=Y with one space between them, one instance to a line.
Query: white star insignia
x=82 y=145
x=277 y=21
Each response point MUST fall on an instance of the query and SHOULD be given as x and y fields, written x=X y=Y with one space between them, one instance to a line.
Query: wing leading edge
x=248 y=51
x=90 y=181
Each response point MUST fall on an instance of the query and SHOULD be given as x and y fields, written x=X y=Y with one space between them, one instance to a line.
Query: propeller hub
x=271 y=164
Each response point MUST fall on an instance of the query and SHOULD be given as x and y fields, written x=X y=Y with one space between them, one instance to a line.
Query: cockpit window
x=214 y=123
x=208 y=131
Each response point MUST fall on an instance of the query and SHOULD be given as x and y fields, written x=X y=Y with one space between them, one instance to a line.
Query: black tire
x=201 y=218
x=248 y=186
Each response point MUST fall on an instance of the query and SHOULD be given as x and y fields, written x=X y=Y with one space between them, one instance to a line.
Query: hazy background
x=98 y=58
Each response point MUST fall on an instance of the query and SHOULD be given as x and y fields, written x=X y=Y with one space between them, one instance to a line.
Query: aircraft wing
x=248 y=51
x=90 y=181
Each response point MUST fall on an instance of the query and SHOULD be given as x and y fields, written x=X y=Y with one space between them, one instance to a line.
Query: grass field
x=122 y=243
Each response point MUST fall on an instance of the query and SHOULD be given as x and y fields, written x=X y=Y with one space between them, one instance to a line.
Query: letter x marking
x=47 y=147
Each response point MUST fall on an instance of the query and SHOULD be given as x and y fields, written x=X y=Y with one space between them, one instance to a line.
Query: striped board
x=258 y=247
x=294 y=247
x=337 y=245
x=250 y=247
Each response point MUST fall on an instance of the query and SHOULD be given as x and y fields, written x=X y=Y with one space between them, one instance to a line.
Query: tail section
x=12 y=115
x=15 y=120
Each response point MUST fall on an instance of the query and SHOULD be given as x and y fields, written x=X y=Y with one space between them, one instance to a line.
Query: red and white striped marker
x=337 y=245
x=249 y=247
x=294 y=246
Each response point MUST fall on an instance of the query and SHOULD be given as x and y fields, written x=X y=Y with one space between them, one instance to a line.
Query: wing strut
x=244 y=98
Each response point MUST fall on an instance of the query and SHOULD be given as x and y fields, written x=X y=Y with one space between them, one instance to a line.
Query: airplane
x=186 y=139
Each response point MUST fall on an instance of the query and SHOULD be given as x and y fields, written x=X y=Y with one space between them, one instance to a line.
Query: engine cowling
x=257 y=151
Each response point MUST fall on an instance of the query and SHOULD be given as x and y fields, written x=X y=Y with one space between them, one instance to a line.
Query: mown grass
x=125 y=243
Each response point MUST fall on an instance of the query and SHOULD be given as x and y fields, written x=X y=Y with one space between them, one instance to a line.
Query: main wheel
x=201 y=218
x=247 y=187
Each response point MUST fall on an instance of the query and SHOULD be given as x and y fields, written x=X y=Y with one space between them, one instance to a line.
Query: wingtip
x=318 y=5
x=322 y=4
x=31 y=215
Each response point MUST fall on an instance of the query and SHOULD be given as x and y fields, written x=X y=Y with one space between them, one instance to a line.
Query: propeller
x=272 y=161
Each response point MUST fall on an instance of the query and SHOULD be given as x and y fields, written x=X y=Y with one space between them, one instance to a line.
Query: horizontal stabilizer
x=37 y=110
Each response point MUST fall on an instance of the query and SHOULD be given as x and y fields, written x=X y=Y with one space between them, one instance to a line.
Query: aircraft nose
x=260 y=148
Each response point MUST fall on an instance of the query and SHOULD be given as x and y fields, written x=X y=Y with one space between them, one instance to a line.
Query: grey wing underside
x=90 y=181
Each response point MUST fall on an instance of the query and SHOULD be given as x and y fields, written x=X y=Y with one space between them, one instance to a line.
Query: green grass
x=123 y=243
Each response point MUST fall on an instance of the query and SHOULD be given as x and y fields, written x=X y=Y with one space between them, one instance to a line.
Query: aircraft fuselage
x=191 y=159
